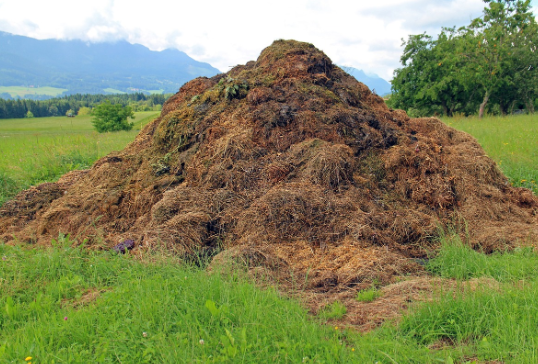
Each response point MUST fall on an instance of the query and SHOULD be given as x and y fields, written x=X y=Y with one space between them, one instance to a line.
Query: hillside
x=82 y=67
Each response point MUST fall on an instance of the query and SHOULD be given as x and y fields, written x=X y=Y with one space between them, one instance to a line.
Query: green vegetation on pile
x=34 y=151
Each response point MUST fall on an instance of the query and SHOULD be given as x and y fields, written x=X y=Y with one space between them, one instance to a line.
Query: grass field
x=512 y=141
x=21 y=91
x=40 y=150
x=72 y=305
x=113 y=91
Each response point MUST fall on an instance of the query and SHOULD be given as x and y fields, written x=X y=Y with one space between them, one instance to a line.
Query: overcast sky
x=361 y=34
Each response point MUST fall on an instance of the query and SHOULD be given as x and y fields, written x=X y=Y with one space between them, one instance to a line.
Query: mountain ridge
x=377 y=84
x=83 y=67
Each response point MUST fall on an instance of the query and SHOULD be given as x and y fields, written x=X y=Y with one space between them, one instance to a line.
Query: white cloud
x=364 y=35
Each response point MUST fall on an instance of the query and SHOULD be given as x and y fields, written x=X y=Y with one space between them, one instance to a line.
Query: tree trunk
x=530 y=105
x=512 y=107
x=483 y=105
x=445 y=109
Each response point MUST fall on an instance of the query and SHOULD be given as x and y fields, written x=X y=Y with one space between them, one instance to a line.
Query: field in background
x=512 y=141
x=115 y=91
x=39 y=150
x=21 y=91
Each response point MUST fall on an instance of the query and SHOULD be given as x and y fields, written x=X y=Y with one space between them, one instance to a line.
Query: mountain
x=374 y=82
x=83 y=67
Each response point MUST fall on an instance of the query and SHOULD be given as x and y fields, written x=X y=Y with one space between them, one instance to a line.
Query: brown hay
x=287 y=159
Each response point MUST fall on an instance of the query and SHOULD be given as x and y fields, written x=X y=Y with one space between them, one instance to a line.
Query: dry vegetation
x=291 y=165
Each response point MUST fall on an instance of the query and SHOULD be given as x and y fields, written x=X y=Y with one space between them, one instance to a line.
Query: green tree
x=492 y=43
x=112 y=117
x=29 y=114
x=492 y=60
x=84 y=111
x=430 y=81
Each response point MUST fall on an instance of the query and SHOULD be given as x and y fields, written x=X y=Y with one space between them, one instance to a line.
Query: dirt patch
x=290 y=160
x=87 y=297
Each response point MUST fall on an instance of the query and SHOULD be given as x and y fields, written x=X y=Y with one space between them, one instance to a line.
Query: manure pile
x=291 y=165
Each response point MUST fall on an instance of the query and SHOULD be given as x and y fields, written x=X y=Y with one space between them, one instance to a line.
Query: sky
x=362 y=34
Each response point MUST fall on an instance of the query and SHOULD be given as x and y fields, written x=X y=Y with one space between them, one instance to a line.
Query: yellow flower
x=523 y=180
x=336 y=327
x=28 y=358
x=352 y=349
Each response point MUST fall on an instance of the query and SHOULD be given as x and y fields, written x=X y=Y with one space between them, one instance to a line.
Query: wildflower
x=523 y=180
x=352 y=349
x=145 y=334
x=65 y=318
x=28 y=358
x=336 y=327
x=305 y=359
x=4 y=258
x=201 y=342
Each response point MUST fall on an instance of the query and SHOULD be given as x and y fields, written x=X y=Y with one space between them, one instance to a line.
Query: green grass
x=512 y=141
x=368 y=295
x=71 y=305
x=39 y=150
x=335 y=310
x=21 y=91
x=493 y=321
x=457 y=260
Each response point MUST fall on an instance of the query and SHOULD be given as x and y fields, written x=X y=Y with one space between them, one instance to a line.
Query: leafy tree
x=492 y=43
x=84 y=111
x=430 y=81
x=492 y=60
x=29 y=114
x=112 y=117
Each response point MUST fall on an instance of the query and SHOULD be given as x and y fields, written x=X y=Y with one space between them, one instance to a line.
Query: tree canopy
x=491 y=62
x=112 y=117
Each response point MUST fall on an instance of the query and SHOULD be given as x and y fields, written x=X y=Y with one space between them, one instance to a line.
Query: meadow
x=38 y=150
x=21 y=91
x=68 y=304
x=512 y=141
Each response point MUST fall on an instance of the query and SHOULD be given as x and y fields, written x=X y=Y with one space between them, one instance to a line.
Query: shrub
x=368 y=295
x=112 y=117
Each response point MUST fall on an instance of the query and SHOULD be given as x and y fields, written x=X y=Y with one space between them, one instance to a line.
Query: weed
x=368 y=295
x=335 y=310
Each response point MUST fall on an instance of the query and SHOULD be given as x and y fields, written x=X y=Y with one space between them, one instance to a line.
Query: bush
x=84 y=111
x=112 y=117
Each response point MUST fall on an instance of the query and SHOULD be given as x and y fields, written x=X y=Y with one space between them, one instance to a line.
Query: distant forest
x=11 y=109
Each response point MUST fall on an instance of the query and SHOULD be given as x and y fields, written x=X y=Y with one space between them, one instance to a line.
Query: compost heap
x=289 y=164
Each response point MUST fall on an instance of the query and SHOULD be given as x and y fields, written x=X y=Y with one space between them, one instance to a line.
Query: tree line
x=78 y=103
x=489 y=65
